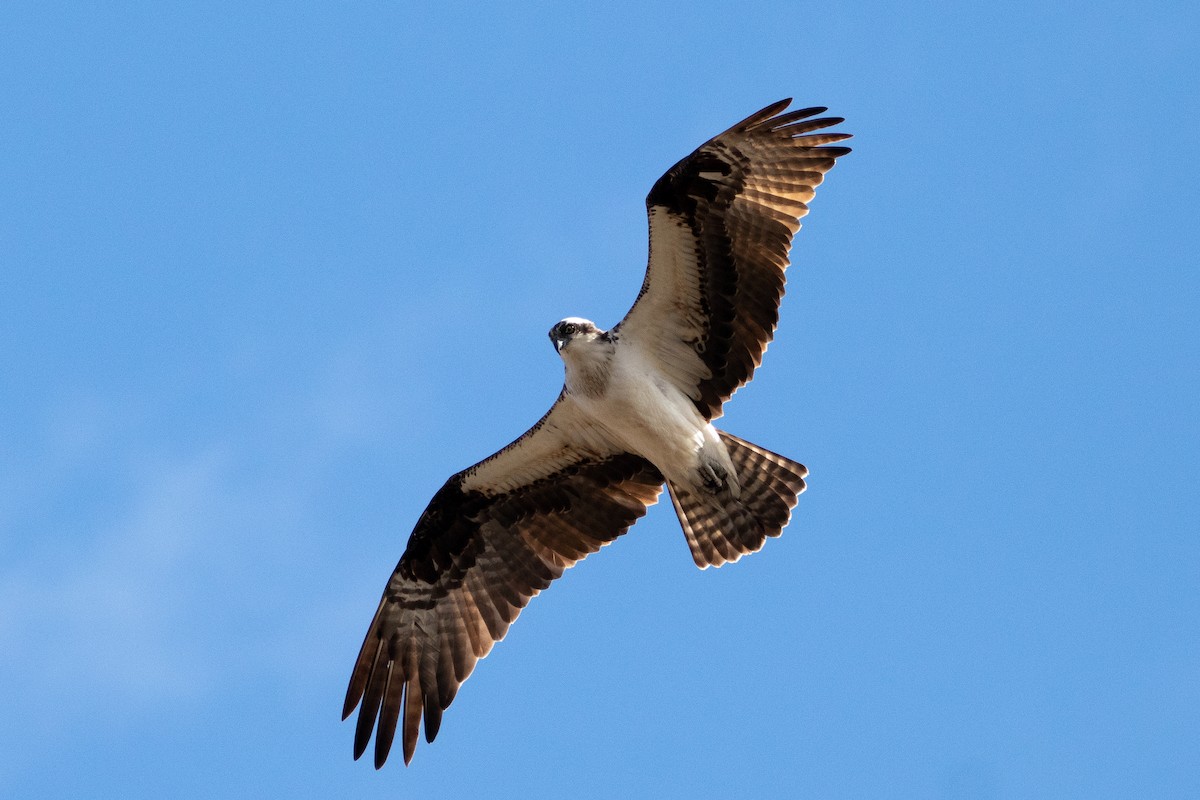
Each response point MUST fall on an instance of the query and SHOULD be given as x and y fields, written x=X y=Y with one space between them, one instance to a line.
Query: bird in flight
x=636 y=411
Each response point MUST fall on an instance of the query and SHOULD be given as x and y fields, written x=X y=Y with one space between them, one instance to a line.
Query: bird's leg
x=713 y=476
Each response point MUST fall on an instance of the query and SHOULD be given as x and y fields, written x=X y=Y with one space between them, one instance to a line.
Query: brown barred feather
x=722 y=220
x=436 y=620
x=720 y=528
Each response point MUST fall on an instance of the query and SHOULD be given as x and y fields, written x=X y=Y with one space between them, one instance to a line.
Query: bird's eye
x=570 y=329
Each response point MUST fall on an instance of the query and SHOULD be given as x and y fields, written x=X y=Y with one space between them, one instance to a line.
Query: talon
x=713 y=480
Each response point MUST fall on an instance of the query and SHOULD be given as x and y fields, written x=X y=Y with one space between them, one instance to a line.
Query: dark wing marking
x=484 y=546
x=721 y=225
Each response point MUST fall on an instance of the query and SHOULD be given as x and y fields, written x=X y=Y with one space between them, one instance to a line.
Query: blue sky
x=269 y=274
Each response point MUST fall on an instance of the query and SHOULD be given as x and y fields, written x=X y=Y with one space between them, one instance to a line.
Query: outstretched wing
x=492 y=537
x=721 y=226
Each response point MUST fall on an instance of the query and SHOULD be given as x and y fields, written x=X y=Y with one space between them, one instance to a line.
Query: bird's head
x=573 y=329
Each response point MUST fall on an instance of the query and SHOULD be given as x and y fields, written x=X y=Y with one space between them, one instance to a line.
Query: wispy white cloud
x=102 y=611
x=190 y=571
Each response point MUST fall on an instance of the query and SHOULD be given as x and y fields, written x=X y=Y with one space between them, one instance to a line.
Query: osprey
x=635 y=412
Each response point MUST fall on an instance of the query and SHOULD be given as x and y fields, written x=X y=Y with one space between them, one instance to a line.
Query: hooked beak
x=559 y=343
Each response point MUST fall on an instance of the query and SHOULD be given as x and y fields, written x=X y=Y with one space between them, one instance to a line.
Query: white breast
x=650 y=416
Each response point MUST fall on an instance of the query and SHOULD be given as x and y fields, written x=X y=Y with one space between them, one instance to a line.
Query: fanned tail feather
x=721 y=528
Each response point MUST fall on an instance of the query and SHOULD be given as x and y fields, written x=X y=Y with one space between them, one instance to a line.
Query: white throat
x=587 y=361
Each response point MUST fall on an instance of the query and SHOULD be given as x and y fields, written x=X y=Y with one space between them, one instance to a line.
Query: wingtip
x=811 y=111
x=360 y=747
x=348 y=707
x=775 y=108
x=362 y=733
x=762 y=115
x=433 y=719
